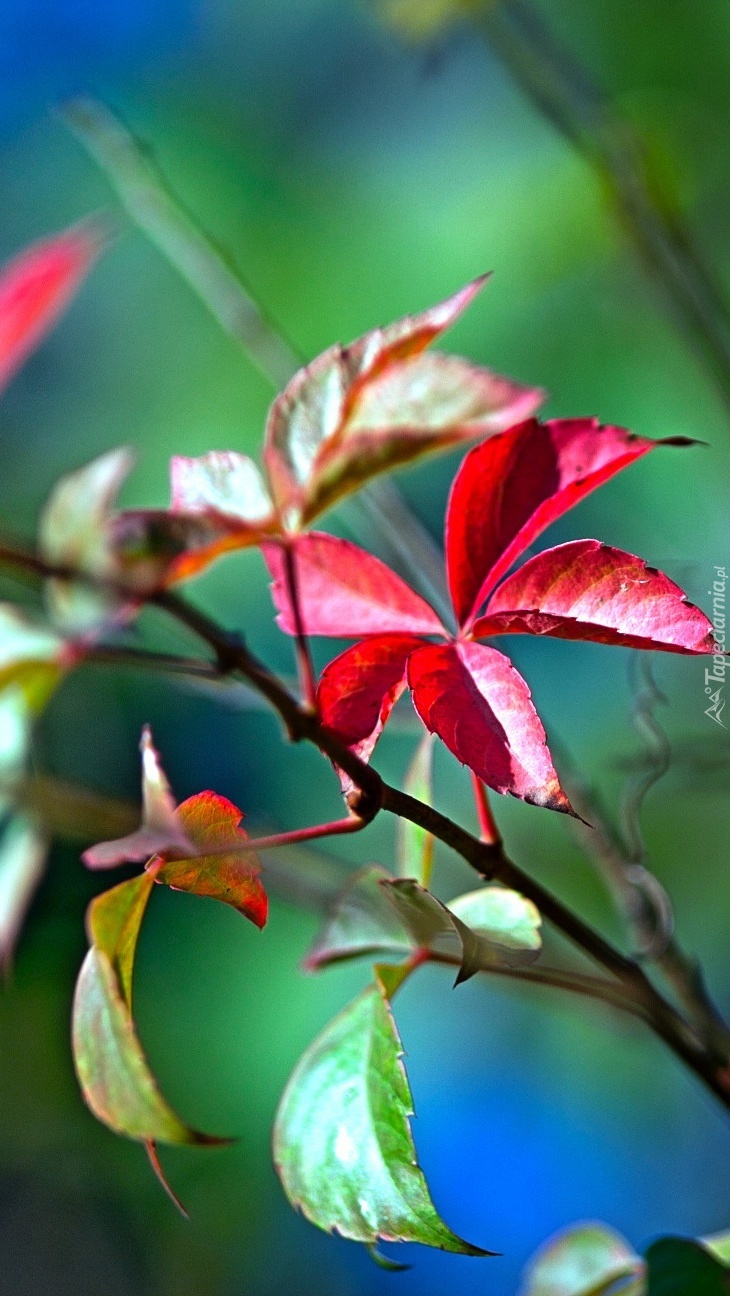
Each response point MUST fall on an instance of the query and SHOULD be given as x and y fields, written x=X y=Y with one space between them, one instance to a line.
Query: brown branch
x=372 y=794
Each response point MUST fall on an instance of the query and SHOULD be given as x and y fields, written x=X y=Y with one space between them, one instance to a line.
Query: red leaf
x=343 y=590
x=36 y=286
x=480 y=707
x=588 y=590
x=514 y=485
x=359 y=689
x=211 y=822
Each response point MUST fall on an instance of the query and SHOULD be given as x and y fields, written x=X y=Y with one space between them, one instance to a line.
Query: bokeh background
x=355 y=172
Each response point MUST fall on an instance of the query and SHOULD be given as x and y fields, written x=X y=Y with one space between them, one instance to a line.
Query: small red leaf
x=359 y=689
x=588 y=590
x=343 y=590
x=35 y=288
x=510 y=488
x=480 y=707
x=211 y=822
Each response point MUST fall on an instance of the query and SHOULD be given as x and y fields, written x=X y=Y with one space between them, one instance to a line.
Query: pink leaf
x=510 y=488
x=588 y=590
x=35 y=289
x=480 y=707
x=343 y=590
x=359 y=689
x=359 y=410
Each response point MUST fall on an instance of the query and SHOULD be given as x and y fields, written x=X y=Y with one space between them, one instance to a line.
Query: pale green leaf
x=75 y=531
x=23 y=849
x=501 y=916
x=342 y=1141
x=414 y=845
x=112 y=1069
x=583 y=1260
x=362 y=921
x=113 y=921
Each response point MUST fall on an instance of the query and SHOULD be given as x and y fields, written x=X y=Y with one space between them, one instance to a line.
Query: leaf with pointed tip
x=358 y=690
x=583 y=1260
x=345 y=591
x=343 y=1148
x=160 y=829
x=113 y=921
x=362 y=921
x=211 y=823
x=360 y=410
x=501 y=916
x=414 y=845
x=376 y=912
x=510 y=488
x=23 y=850
x=37 y=286
x=75 y=531
x=112 y=1069
x=481 y=708
x=588 y=590
x=679 y=1267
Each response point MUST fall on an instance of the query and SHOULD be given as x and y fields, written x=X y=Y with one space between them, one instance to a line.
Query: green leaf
x=362 y=921
x=679 y=1267
x=342 y=1141
x=376 y=912
x=112 y=1069
x=75 y=531
x=32 y=657
x=501 y=916
x=432 y=925
x=113 y=921
x=23 y=849
x=583 y=1260
x=414 y=845
x=719 y=1245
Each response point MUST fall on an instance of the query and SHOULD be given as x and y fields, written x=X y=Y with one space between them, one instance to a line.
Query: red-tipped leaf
x=211 y=823
x=345 y=591
x=480 y=707
x=35 y=288
x=510 y=488
x=360 y=410
x=588 y=590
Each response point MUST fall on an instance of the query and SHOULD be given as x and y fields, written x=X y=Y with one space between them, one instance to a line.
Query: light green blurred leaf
x=112 y=1069
x=414 y=846
x=342 y=1141
x=583 y=1260
x=502 y=916
x=23 y=849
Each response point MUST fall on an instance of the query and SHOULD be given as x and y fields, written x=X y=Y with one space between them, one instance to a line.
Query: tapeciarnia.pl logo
x=715 y=679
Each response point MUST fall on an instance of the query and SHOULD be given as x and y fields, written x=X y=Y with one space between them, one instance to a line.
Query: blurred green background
x=354 y=174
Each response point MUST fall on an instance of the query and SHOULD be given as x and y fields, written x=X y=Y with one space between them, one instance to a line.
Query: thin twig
x=488 y=827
